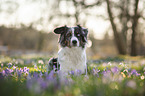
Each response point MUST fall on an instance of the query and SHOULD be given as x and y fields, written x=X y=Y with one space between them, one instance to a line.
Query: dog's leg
x=53 y=64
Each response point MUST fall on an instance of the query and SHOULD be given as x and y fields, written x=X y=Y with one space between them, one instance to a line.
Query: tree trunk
x=120 y=42
x=40 y=42
x=134 y=32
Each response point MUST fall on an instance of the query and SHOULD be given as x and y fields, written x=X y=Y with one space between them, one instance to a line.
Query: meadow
x=29 y=76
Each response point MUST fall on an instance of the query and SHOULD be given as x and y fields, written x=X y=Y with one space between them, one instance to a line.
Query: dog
x=72 y=54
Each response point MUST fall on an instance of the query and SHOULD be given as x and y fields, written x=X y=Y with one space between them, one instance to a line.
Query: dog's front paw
x=53 y=64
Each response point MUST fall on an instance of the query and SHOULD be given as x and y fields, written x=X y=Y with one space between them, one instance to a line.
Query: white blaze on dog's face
x=72 y=36
x=74 y=40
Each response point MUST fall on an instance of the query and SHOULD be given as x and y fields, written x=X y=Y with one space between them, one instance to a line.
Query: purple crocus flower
x=14 y=67
x=129 y=69
x=3 y=72
x=78 y=72
x=26 y=70
x=134 y=72
x=11 y=70
x=71 y=72
x=114 y=70
x=95 y=72
x=7 y=71
x=35 y=66
x=106 y=73
x=9 y=65
x=138 y=74
x=19 y=72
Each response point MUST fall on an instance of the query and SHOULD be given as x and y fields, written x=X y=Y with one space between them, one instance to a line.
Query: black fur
x=53 y=63
x=60 y=30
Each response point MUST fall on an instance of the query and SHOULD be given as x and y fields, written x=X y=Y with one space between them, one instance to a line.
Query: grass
x=28 y=76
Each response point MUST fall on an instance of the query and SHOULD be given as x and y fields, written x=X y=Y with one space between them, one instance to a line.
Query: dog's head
x=72 y=36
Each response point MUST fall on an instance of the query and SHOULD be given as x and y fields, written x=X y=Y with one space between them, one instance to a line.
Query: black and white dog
x=72 y=55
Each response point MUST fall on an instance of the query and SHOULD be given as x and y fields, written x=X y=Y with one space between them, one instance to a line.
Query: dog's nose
x=74 y=42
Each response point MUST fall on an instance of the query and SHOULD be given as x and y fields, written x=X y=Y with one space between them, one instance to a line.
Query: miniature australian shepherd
x=72 y=54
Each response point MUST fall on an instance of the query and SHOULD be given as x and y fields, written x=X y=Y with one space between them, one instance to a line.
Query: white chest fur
x=71 y=59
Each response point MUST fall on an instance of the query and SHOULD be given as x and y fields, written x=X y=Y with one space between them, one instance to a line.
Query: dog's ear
x=60 y=30
x=85 y=34
x=85 y=31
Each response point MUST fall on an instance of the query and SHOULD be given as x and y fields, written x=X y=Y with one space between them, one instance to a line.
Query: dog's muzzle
x=74 y=42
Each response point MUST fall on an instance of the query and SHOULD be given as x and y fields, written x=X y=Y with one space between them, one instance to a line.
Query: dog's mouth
x=74 y=45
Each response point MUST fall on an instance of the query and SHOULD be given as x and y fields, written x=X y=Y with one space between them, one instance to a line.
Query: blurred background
x=116 y=27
